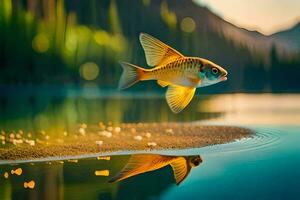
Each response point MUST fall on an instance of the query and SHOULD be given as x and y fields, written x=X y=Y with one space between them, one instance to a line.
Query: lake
x=262 y=167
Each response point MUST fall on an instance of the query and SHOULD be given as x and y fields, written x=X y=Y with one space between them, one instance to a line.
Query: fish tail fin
x=131 y=75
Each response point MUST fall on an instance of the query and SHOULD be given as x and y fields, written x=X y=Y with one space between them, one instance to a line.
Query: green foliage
x=49 y=44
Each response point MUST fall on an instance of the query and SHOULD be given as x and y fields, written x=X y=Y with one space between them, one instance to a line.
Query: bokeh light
x=101 y=37
x=146 y=2
x=168 y=16
x=40 y=43
x=89 y=71
x=187 y=25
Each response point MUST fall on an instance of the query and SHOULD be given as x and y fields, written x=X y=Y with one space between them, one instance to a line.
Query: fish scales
x=181 y=74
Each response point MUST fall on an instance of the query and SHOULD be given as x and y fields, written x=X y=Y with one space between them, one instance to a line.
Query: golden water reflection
x=90 y=178
x=143 y=163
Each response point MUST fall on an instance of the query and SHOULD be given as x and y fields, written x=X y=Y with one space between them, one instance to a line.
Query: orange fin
x=131 y=75
x=180 y=169
x=162 y=83
x=142 y=163
x=158 y=53
x=178 y=97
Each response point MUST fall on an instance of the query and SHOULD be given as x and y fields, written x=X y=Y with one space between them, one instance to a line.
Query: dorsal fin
x=178 y=97
x=180 y=169
x=158 y=53
x=141 y=163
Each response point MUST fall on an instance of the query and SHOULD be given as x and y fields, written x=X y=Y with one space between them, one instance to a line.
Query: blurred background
x=59 y=71
x=59 y=59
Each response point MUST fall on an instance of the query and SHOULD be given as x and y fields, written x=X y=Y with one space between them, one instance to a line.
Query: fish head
x=211 y=73
x=194 y=161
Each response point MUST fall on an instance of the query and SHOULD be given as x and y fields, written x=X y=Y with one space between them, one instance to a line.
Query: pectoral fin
x=179 y=97
x=162 y=83
x=157 y=53
x=180 y=169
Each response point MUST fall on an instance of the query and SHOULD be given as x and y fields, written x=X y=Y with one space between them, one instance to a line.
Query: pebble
x=151 y=144
x=30 y=142
x=102 y=172
x=101 y=126
x=81 y=131
x=5 y=175
x=17 y=171
x=148 y=134
x=133 y=130
x=138 y=137
x=117 y=129
x=83 y=125
x=110 y=129
x=99 y=142
x=29 y=184
x=169 y=131
x=105 y=133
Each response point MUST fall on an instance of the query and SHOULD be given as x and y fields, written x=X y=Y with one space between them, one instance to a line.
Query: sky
x=265 y=16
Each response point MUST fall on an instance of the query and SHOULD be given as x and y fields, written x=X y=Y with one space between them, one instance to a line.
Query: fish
x=181 y=74
x=143 y=163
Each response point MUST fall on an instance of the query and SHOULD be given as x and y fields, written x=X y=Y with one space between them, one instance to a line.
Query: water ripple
x=263 y=138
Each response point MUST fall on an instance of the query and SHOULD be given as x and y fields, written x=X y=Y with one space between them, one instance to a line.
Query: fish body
x=180 y=73
x=143 y=163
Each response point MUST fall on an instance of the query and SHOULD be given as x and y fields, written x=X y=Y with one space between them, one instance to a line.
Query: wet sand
x=105 y=139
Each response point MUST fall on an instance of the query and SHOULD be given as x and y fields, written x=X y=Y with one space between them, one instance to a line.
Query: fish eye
x=215 y=70
x=196 y=162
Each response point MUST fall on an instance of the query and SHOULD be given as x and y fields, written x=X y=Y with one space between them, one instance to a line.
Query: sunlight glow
x=266 y=16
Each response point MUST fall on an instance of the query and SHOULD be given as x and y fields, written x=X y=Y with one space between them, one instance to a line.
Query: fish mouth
x=223 y=78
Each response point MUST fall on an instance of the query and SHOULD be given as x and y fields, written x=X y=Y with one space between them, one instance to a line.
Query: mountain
x=206 y=19
x=290 y=36
x=60 y=39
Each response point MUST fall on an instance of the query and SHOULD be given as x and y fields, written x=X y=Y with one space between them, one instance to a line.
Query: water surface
x=262 y=167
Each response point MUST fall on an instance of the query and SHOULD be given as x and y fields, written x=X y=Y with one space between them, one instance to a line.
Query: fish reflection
x=142 y=163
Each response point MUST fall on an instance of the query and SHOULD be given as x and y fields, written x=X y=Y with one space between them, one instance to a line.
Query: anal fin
x=162 y=83
x=178 y=97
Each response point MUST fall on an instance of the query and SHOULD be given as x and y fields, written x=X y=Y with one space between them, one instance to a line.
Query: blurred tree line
x=57 y=42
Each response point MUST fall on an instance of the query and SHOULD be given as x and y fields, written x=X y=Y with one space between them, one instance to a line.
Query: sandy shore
x=103 y=139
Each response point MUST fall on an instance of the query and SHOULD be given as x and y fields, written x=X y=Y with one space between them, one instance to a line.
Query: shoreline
x=130 y=137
